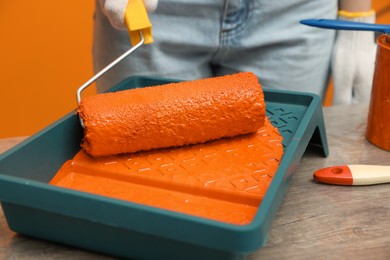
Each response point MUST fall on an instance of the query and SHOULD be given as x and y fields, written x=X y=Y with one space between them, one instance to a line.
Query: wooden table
x=315 y=221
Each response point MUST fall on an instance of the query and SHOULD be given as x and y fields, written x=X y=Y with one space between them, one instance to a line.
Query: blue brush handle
x=346 y=25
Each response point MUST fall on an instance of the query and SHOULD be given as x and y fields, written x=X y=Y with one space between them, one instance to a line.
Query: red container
x=378 y=127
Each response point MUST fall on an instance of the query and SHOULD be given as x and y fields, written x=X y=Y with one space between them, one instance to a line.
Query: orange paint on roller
x=171 y=115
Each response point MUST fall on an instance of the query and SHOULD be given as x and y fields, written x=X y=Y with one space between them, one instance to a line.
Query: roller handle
x=346 y=25
x=140 y=31
x=137 y=21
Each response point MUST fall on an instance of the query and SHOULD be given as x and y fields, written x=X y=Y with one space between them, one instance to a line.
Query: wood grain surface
x=315 y=221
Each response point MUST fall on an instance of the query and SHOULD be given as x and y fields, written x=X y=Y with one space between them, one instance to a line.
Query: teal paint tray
x=35 y=208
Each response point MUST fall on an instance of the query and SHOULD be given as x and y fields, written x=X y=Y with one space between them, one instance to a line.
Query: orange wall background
x=383 y=11
x=46 y=54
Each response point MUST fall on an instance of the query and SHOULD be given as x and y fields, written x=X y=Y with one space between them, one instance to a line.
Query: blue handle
x=346 y=25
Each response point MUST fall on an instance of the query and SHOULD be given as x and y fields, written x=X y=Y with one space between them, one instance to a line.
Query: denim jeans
x=204 y=38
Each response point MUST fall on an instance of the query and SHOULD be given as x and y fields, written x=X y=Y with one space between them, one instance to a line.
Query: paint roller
x=171 y=115
x=168 y=115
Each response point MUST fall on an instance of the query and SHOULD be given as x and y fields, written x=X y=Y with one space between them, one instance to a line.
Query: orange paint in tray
x=223 y=179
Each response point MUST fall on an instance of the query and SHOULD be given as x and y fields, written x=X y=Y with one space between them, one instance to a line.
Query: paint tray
x=36 y=208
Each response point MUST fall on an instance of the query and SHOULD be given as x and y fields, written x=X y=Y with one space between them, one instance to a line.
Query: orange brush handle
x=354 y=175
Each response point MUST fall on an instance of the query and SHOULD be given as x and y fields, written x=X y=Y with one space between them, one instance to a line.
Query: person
x=201 y=38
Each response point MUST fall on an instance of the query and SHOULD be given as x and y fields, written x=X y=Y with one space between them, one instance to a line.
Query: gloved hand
x=115 y=11
x=353 y=63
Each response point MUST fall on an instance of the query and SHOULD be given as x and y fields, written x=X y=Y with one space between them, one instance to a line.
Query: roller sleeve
x=172 y=115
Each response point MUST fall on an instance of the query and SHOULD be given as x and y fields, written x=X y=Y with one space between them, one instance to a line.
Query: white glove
x=353 y=64
x=115 y=11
